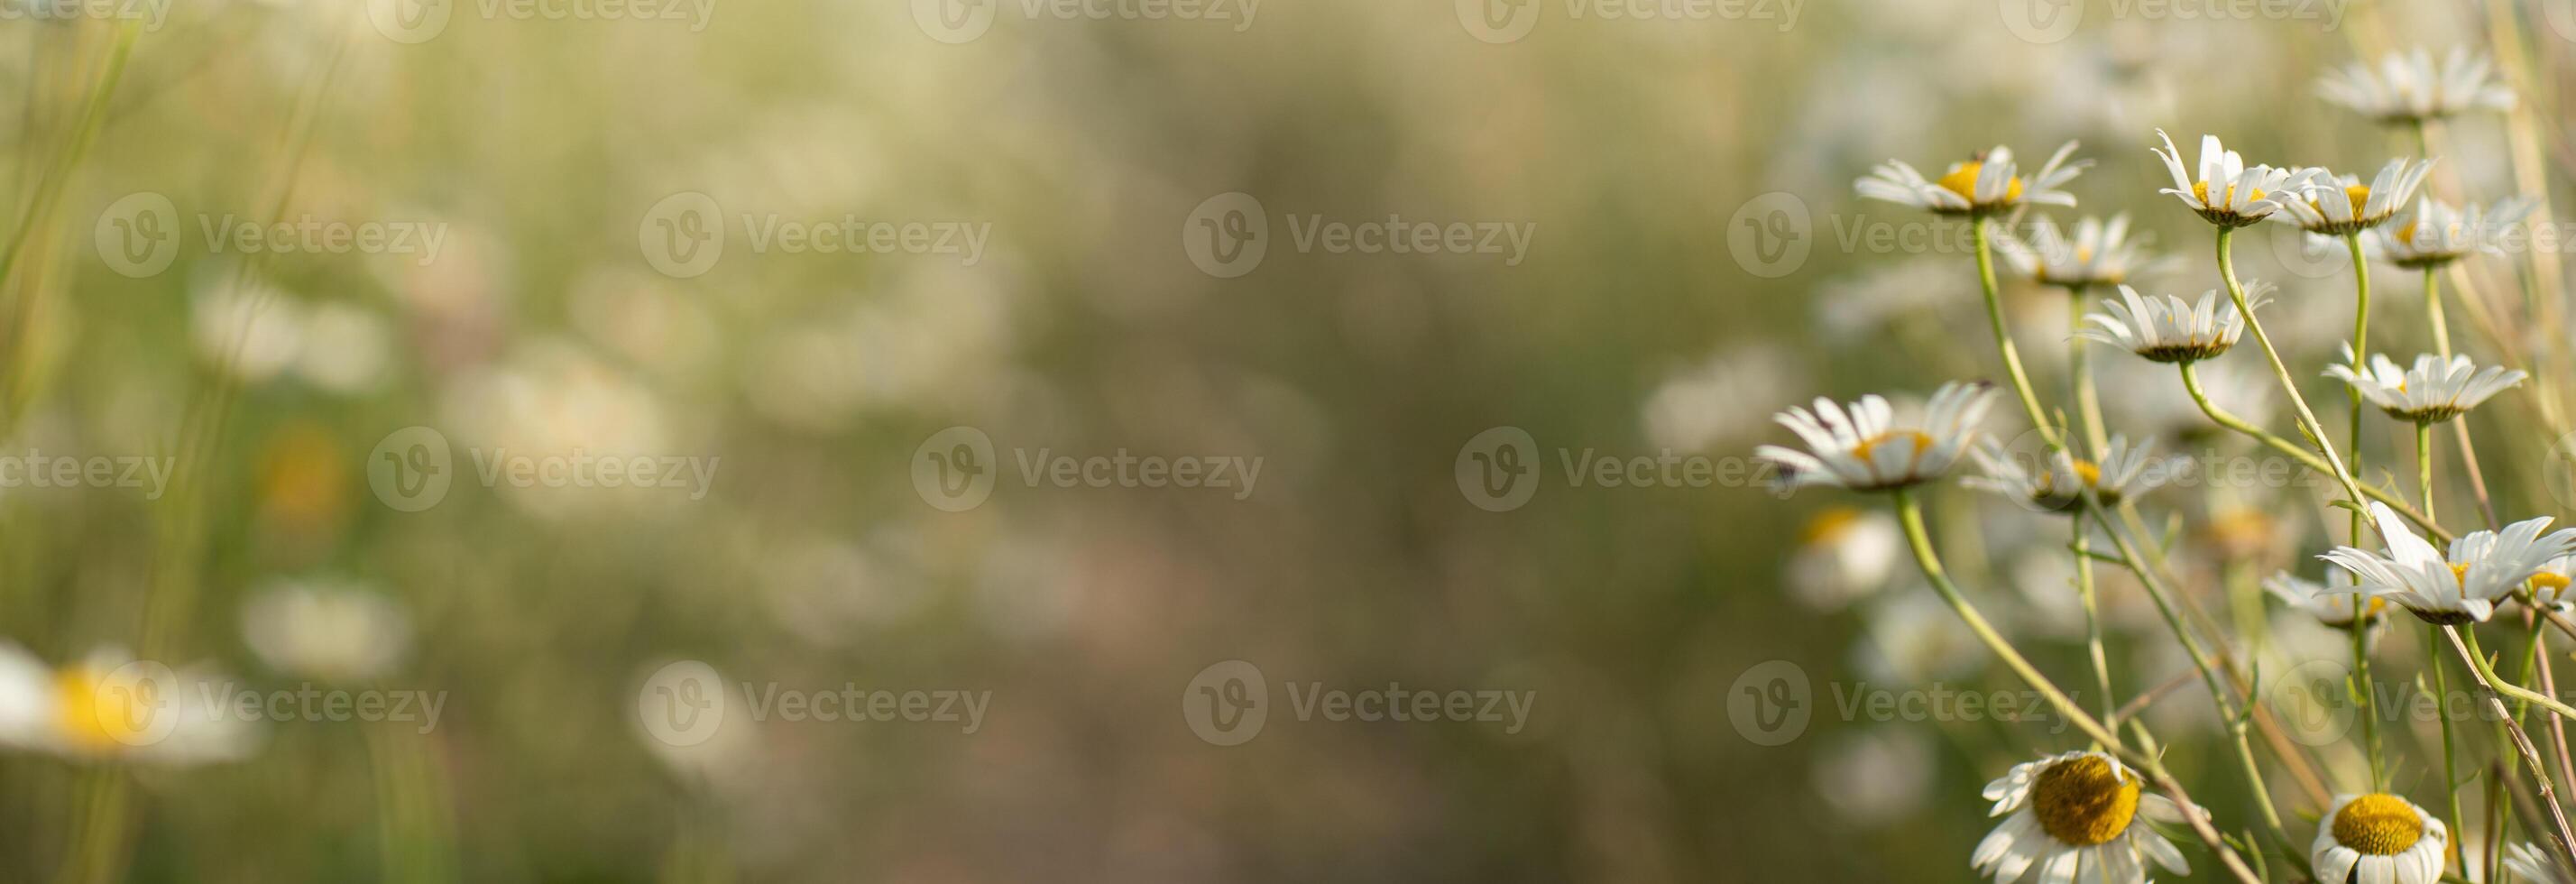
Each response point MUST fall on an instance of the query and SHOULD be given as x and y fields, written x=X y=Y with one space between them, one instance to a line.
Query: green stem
x=2361 y=353
x=2003 y=337
x=1910 y=515
x=2305 y=457
x=2360 y=633
x=2433 y=312
x=2423 y=468
x=2450 y=765
x=2089 y=408
x=2307 y=418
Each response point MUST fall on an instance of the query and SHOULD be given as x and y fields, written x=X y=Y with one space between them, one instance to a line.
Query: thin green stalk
x=1909 y=514
x=2450 y=763
x=2305 y=457
x=2433 y=312
x=2361 y=353
x=2465 y=643
x=2307 y=417
x=2360 y=633
x=2089 y=409
x=2003 y=337
x=2423 y=466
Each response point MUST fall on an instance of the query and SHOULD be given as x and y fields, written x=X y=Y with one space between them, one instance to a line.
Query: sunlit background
x=778 y=250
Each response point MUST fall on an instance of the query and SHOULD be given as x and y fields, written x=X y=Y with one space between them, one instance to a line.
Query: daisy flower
x=2074 y=818
x=2331 y=602
x=2379 y=838
x=2534 y=866
x=2227 y=193
x=325 y=631
x=2431 y=392
x=2409 y=88
x=2101 y=253
x=2169 y=330
x=2463 y=586
x=2122 y=470
x=1981 y=186
x=1863 y=449
x=2549 y=587
x=107 y=707
x=2433 y=234
x=2341 y=205
x=1843 y=554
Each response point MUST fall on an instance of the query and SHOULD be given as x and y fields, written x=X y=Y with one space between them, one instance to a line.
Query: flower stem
x=2003 y=337
x=2450 y=765
x=2361 y=354
x=2433 y=312
x=2465 y=643
x=2360 y=631
x=2305 y=457
x=2089 y=409
x=1910 y=515
x=2307 y=418
x=2423 y=468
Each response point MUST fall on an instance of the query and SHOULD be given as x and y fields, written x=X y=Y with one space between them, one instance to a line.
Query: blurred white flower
x=1865 y=449
x=326 y=630
x=2409 y=88
x=1915 y=639
x=1844 y=554
x=2433 y=234
x=345 y=348
x=253 y=331
x=1990 y=183
x=1875 y=776
x=108 y=706
x=1717 y=399
x=2433 y=391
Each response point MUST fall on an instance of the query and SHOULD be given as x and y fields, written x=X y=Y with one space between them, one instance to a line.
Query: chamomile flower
x=2228 y=193
x=2433 y=391
x=2122 y=470
x=2333 y=602
x=2168 y=330
x=2100 y=253
x=2409 y=88
x=2332 y=205
x=2549 y=586
x=326 y=630
x=108 y=706
x=2075 y=817
x=1843 y=554
x=2433 y=234
x=1864 y=449
x=2379 y=838
x=2463 y=586
x=2532 y=865
x=1982 y=186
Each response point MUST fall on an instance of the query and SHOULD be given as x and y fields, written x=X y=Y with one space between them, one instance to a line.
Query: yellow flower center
x=1963 y=181
x=2549 y=580
x=2406 y=232
x=1922 y=441
x=2082 y=801
x=1828 y=524
x=2085 y=471
x=78 y=704
x=2379 y=825
x=2360 y=196
x=2200 y=192
x=2460 y=573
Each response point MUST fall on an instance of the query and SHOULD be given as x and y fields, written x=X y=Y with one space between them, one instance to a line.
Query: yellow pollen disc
x=1922 y=442
x=1828 y=524
x=1963 y=181
x=2406 y=232
x=76 y=693
x=2547 y=580
x=2083 y=254
x=2083 y=802
x=2460 y=573
x=2201 y=192
x=2379 y=825
x=2360 y=196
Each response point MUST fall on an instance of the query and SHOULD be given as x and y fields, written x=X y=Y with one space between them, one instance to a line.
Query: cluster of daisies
x=2090 y=815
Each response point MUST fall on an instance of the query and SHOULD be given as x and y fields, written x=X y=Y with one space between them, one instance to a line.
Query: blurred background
x=377 y=287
